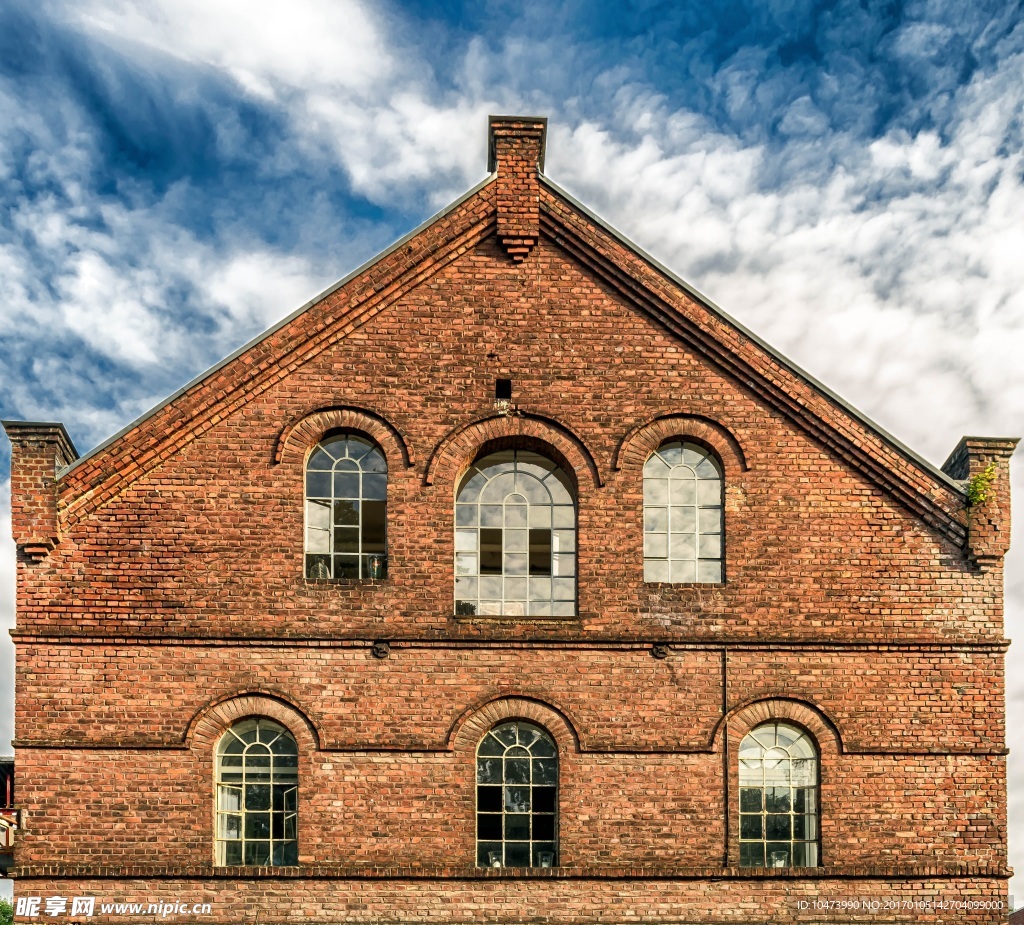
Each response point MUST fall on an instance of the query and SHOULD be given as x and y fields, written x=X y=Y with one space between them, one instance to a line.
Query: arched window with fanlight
x=517 y=797
x=778 y=785
x=257 y=795
x=346 y=509
x=515 y=538
x=683 y=527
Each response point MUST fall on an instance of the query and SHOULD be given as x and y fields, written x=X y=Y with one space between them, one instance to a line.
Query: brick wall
x=173 y=601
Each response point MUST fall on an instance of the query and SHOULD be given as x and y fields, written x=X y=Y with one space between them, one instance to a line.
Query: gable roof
x=108 y=469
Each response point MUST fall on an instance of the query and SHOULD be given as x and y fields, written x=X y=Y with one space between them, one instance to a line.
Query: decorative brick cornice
x=467 y=731
x=210 y=722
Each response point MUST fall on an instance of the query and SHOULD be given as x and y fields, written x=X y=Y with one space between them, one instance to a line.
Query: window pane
x=374 y=513
x=488 y=826
x=318 y=484
x=656 y=571
x=488 y=799
x=540 y=552
x=346 y=513
x=517 y=826
x=750 y=827
x=709 y=570
x=490 y=551
x=375 y=487
x=346 y=484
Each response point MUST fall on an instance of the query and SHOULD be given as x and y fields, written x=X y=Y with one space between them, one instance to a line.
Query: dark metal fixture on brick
x=381 y=649
x=660 y=650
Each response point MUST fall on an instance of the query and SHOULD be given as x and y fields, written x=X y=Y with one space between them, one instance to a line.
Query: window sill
x=512 y=618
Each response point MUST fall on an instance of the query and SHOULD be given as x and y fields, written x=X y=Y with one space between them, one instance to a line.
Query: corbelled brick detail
x=38 y=452
x=517 y=154
x=986 y=460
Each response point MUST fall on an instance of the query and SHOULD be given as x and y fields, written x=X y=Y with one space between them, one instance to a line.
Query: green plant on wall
x=6 y=912
x=980 y=486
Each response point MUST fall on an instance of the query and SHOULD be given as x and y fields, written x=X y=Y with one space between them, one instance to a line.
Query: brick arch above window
x=460 y=447
x=638 y=444
x=467 y=731
x=302 y=434
x=207 y=726
x=781 y=708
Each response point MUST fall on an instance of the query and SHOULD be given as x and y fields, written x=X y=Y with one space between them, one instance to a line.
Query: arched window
x=515 y=538
x=346 y=506
x=517 y=797
x=682 y=515
x=778 y=798
x=257 y=795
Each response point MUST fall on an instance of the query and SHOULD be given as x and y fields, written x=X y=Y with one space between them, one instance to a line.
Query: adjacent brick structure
x=161 y=597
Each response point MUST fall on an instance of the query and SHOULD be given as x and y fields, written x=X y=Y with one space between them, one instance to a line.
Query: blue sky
x=845 y=178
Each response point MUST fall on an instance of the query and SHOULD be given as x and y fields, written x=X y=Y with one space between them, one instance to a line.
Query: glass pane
x=346 y=484
x=710 y=519
x=320 y=460
x=506 y=733
x=709 y=570
x=488 y=826
x=563 y=589
x=655 y=467
x=465 y=515
x=540 y=589
x=346 y=566
x=492 y=515
x=465 y=564
x=540 y=552
x=257 y=796
x=563 y=518
x=485 y=850
x=490 y=551
x=517 y=770
x=682 y=491
x=672 y=452
x=488 y=770
x=257 y=853
x=318 y=515
x=656 y=519
x=683 y=571
x=655 y=570
x=517 y=799
x=750 y=799
x=778 y=826
x=374 y=513
x=229 y=827
x=544 y=827
x=375 y=487
x=346 y=513
x=540 y=517
x=776 y=799
x=232 y=854
x=346 y=539
x=544 y=799
x=517 y=826
x=750 y=827
x=318 y=484
x=287 y=854
x=517 y=854
x=374 y=461
x=465 y=540
x=318 y=567
x=710 y=546
x=488 y=800
x=515 y=515
x=709 y=493
x=515 y=588
x=751 y=854
x=257 y=825
x=545 y=771
x=706 y=469
x=682 y=546
x=684 y=519
x=656 y=547
x=517 y=541
x=656 y=491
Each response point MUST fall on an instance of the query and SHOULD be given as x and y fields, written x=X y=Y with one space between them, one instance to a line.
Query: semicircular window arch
x=346 y=509
x=515 y=538
x=683 y=515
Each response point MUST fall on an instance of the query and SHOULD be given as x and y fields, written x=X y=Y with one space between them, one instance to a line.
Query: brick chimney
x=984 y=464
x=38 y=452
x=516 y=153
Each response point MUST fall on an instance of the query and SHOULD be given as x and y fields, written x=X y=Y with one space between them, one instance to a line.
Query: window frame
x=542 y=851
x=544 y=509
x=283 y=847
x=663 y=545
x=810 y=844
x=371 y=551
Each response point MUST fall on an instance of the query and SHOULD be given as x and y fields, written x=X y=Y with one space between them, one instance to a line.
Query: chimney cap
x=535 y=126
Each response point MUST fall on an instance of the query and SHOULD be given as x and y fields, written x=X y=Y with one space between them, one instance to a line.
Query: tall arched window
x=515 y=538
x=682 y=515
x=346 y=506
x=778 y=798
x=257 y=795
x=517 y=797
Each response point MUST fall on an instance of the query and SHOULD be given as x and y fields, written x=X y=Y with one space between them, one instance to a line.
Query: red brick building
x=510 y=580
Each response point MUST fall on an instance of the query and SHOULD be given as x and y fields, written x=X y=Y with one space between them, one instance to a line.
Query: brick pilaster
x=38 y=452
x=517 y=154
x=985 y=461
